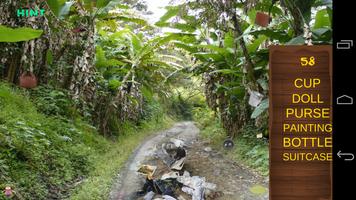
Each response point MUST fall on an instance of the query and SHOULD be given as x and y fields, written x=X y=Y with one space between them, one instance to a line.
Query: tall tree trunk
x=249 y=66
x=17 y=56
x=13 y=68
x=298 y=19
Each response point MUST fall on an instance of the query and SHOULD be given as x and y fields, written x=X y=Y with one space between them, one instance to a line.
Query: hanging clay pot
x=262 y=19
x=28 y=80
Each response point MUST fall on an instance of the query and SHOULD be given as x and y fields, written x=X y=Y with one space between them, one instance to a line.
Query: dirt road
x=232 y=180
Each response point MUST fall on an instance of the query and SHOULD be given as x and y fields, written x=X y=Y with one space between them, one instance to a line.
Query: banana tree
x=132 y=66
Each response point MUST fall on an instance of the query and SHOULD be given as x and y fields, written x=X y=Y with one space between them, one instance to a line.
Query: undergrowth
x=46 y=149
x=248 y=149
x=108 y=164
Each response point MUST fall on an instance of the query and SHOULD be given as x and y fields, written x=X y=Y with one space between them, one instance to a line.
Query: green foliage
x=152 y=109
x=252 y=151
x=263 y=106
x=305 y=7
x=131 y=67
x=180 y=108
x=322 y=36
x=256 y=43
x=132 y=52
x=248 y=150
x=62 y=8
x=210 y=126
x=299 y=40
x=171 y=12
x=107 y=163
x=99 y=4
x=54 y=6
x=18 y=34
x=102 y=3
x=41 y=154
x=322 y=19
x=45 y=148
x=135 y=20
x=52 y=102
x=102 y=61
x=49 y=57
x=235 y=61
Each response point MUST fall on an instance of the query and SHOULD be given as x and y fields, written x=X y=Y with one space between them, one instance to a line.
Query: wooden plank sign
x=300 y=123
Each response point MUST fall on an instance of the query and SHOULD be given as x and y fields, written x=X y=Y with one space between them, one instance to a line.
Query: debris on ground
x=149 y=195
x=173 y=181
x=178 y=164
x=195 y=185
x=170 y=175
x=233 y=180
x=160 y=187
x=147 y=170
x=228 y=144
x=173 y=154
x=177 y=143
x=208 y=149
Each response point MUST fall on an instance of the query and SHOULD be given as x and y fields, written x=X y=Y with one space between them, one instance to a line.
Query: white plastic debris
x=149 y=196
x=167 y=197
x=255 y=98
x=176 y=142
x=197 y=193
x=178 y=165
x=208 y=149
x=173 y=154
x=169 y=175
x=195 y=185
x=181 y=198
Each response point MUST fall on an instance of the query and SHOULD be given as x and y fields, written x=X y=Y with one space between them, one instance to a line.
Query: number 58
x=305 y=61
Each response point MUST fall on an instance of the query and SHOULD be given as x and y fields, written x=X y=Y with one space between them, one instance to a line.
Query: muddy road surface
x=233 y=181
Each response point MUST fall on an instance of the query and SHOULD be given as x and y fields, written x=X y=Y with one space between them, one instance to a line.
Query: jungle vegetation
x=106 y=76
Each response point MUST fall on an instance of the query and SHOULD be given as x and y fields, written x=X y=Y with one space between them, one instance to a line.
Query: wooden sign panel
x=300 y=122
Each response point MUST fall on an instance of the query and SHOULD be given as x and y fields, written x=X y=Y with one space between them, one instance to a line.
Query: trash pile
x=171 y=182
